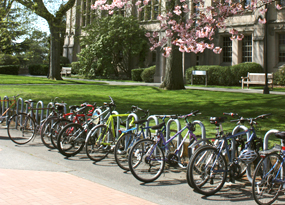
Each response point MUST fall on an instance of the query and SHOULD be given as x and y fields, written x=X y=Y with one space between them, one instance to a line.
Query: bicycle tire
x=263 y=187
x=56 y=128
x=71 y=140
x=200 y=168
x=122 y=149
x=21 y=133
x=146 y=168
x=46 y=134
x=99 y=143
x=189 y=181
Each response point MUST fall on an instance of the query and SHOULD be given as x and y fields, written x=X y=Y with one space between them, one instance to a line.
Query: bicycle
x=268 y=179
x=128 y=138
x=101 y=139
x=71 y=138
x=5 y=114
x=23 y=127
x=210 y=165
x=53 y=125
x=147 y=157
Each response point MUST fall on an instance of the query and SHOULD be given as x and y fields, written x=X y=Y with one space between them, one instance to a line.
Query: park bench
x=65 y=71
x=199 y=72
x=256 y=79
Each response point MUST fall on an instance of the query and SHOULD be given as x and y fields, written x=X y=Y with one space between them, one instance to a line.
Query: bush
x=64 y=61
x=148 y=74
x=9 y=69
x=75 y=66
x=6 y=59
x=39 y=69
x=223 y=75
x=136 y=74
x=279 y=76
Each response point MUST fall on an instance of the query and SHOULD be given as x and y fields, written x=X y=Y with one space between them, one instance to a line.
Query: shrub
x=9 y=69
x=148 y=74
x=136 y=74
x=75 y=66
x=279 y=76
x=223 y=75
x=6 y=59
x=64 y=61
x=39 y=69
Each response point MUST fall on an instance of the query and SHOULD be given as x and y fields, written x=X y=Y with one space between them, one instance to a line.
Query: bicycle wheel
x=122 y=149
x=46 y=134
x=266 y=183
x=21 y=128
x=71 y=139
x=207 y=178
x=99 y=143
x=56 y=128
x=146 y=160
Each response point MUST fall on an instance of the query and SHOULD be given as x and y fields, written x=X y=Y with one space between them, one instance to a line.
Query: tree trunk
x=173 y=78
x=55 y=48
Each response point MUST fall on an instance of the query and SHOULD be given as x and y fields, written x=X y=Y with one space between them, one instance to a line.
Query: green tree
x=56 y=24
x=111 y=44
x=13 y=25
x=34 y=49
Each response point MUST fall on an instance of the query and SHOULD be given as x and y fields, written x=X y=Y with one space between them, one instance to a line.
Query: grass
x=16 y=79
x=158 y=101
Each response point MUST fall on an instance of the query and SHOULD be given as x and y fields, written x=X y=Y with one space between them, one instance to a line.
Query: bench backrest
x=259 y=77
x=66 y=68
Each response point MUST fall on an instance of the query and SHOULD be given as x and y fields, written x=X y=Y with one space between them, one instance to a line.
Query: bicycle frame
x=4 y=113
x=224 y=145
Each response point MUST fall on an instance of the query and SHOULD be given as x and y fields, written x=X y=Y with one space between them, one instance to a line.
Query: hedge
x=136 y=74
x=9 y=69
x=223 y=75
x=148 y=74
x=6 y=59
x=39 y=69
x=279 y=76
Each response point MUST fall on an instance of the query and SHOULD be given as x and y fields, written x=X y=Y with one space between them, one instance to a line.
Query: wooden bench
x=256 y=79
x=66 y=71
x=199 y=72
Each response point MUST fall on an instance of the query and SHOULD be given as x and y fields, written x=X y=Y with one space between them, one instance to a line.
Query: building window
x=150 y=11
x=247 y=49
x=227 y=49
x=281 y=47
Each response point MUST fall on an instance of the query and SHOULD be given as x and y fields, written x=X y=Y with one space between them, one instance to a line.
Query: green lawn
x=158 y=101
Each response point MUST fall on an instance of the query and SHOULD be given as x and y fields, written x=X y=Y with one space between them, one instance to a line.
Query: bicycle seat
x=30 y=101
x=217 y=120
x=280 y=135
x=159 y=126
x=140 y=122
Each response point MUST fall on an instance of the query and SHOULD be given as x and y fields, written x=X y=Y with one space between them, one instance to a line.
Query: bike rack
x=266 y=138
x=39 y=103
x=50 y=105
x=167 y=135
x=22 y=105
x=132 y=115
x=3 y=108
x=118 y=122
x=235 y=130
x=151 y=117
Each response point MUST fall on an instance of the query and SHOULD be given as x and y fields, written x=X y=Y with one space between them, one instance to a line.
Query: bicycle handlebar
x=136 y=108
x=251 y=120
x=230 y=113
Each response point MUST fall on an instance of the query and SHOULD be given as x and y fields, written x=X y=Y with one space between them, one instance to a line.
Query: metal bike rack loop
x=235 y=131
x=266 y=138
x=3 y=108
x=20 y=100
x=151 y=117
x=118 y=122
x=39 y=103
x=132 y=115
x=50 y=105
x=167 y=137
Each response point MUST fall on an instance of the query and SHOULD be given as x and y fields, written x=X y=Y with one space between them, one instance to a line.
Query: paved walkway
x=57 y=188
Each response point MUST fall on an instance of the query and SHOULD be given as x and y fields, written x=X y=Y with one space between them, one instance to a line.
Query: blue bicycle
x=268 y=179
x=208 y=168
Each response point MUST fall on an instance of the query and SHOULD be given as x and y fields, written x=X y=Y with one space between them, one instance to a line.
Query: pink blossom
x=182 y=1
x=168 y=33
x=167 y=51
x=111 y=12
x=262 y=21
x=240 y=37
x=138 y=3
x=147 y=34
x=233 y=31
x=155 y=34
x=263 y=11
x=177 y=10
x=278 y=7
x=217 y=50
x=145 y=2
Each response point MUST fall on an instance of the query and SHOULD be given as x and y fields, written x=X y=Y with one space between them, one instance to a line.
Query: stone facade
x=263 y=44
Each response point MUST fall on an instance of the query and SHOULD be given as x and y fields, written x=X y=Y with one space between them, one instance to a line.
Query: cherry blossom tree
x=189 y=30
